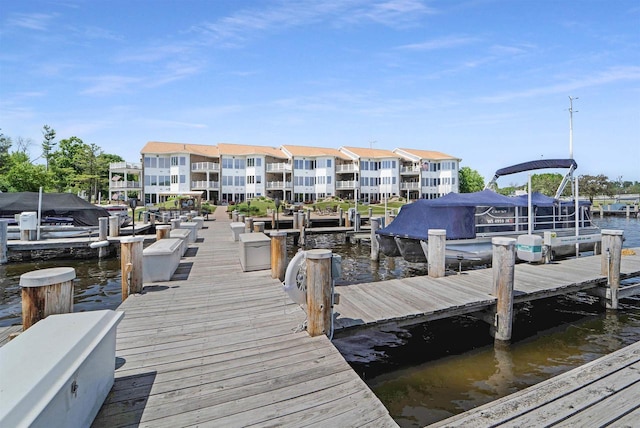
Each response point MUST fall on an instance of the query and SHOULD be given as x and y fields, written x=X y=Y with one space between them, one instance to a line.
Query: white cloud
x=31 y=21
x=441 y=43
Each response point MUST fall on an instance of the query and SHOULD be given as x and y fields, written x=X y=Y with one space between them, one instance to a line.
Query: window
x=298 y=164
x=164 y=163
x=164 y=180
x=183 y=179
x=174 y=179
x=154 y=180
x=238 y=163
x=183 y=160
x=309 y=164
x=150 y=162
x=258 y=178
x=147 y=180
x=227 y=163
x=251 y=162
x=251 y=179
x=328 y=179
x=328 y=163
x=258 y=163
x=174 y=160
x=364 y=166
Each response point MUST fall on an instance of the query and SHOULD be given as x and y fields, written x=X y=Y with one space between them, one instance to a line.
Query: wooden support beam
x=503 y=266
x=436 y=252
x=46 y=292
x=318 y=292
x=610 y=260
x=162 y=232
x=375 y=246
x=278 y=254
x=131 y=265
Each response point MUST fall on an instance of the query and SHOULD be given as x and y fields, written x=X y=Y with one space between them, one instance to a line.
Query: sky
x=487 y=81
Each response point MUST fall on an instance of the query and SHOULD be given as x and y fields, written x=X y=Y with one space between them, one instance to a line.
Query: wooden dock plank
x=217 y=346
x=558 y=399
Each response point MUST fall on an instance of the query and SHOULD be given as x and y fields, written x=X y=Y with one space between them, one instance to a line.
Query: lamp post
x=248 y=207
x=277 y=202
x=133 y=202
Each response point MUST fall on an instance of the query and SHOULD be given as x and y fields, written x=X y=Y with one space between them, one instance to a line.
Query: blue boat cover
x=455 y=213
x=537 y=164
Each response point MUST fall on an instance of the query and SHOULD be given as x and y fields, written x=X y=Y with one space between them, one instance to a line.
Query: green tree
x=470 y=180
x=22 y=175
x=548 y=183
x=47 y=145
x=5 y=145
x=593 y=186
x=64 y=164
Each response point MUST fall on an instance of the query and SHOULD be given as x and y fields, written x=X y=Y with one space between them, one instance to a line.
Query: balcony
x=278 y=167
x=410 y=170
x=125 y=185
x=279 y=185
x=351 y=184
x=409 y=186
x=125 y=165
x=198 y=185
x=205 y=166
x=349 y=167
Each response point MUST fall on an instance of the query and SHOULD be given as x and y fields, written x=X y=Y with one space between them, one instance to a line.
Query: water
x=97 y=286
x=438 y=369
x=431 y=371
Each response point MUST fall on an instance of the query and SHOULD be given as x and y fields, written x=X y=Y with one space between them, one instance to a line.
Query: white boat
x=471 y=220
x=121 y=211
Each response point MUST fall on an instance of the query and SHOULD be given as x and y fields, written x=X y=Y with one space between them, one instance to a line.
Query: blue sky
x=486 y=81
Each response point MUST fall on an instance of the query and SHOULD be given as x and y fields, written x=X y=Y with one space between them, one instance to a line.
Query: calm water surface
x=429 y=372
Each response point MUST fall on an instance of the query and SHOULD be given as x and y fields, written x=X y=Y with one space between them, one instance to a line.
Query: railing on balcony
x=271 y=185
x=410 y=170
x=349 y=167
x=278 y=167
x=351 y=184
x=205 y=185
x=205 y=166
x=409 y=186
x=125 y=185
x=125 y=165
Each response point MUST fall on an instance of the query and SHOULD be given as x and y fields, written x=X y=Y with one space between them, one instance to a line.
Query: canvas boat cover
x=537 y=164
x=53 y=205
x=455 y=213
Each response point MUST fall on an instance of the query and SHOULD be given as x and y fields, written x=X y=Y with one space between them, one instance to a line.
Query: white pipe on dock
x=39 y=214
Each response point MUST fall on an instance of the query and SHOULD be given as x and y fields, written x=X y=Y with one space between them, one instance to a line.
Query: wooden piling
x=301 y=240
x=46 y=292
x=356 y=221
x=258 y=226
x=241 y=218
x=4 y=236
x=295 y=220
x=175 y=223
x=318 y=292
x=610 y=260
x=375 y=246
x=131 y=265
x=114 y=226
x=103 y=231
x=601 y=211
x=162 y=232
x=248 y=225
x=340 y=217
x=278 y=254
x=436 y=252
x=503 y=266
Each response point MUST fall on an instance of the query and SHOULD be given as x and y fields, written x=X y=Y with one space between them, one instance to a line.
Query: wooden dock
x=217 y=347
x=604 y=392
x=415 y=300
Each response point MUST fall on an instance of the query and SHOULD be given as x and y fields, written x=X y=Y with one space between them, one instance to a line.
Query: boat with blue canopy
x=471 y=220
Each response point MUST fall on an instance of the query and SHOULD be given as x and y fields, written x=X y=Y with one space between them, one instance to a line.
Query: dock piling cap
x=41 y=277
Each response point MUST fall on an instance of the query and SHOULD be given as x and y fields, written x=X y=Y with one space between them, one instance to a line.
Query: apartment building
x=235 y=172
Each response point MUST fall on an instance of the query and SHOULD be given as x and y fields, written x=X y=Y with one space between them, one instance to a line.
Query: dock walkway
x=604 y=392
x=216 y=347
x=415 y=300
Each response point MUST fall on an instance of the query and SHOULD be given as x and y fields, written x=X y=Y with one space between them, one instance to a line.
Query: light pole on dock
x=571 y=125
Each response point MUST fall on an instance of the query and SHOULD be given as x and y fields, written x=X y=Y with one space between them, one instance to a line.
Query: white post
x=436 y=244
x=577 y=210
x=530 y=209
x=39 y=213
x=3 y=242
x=375 y=248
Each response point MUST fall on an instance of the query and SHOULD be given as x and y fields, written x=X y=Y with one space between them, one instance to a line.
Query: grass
x=259 y=206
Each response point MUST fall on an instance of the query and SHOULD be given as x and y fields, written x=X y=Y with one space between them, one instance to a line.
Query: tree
x=22 y=175
x=548 y=183
x=5 y=145
x=64 y=164
x=593 y=185
x=47 y=145
x=470 y=180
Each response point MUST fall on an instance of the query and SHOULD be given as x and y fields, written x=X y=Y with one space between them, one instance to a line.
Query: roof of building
x=313 y=151
x=243 y=150
x=157 y=147
x=362 y=152
x=427 y=154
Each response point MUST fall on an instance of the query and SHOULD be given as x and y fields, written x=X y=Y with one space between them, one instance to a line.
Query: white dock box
x=59 y=372
x=530 y=248
x=236 y=229
x=255 y=251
